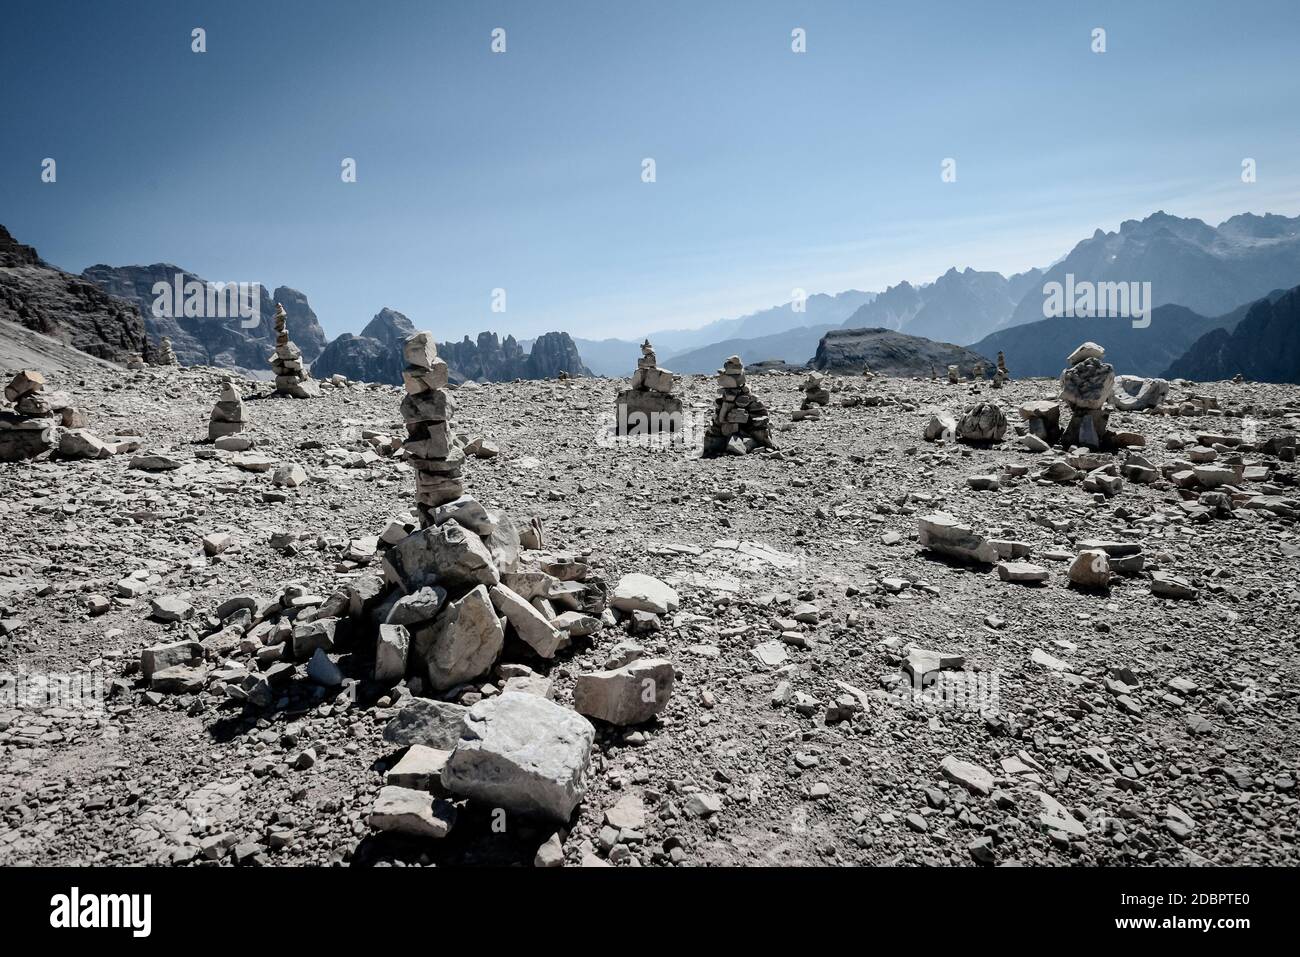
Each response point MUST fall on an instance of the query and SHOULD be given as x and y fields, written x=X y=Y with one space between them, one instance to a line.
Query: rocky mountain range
x=1202 y=278
x=793 y=347
x=1035 y=348
x=678 y=348
x=959 y=306
x=65 y=307
x=1264 y=346
x=1210 y=270
x=889 y=352
x=376 y=355
x=230 y=342
x=373 y=356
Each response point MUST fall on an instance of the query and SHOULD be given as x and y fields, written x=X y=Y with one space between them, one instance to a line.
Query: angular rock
x=448 y=554
x=523 y=753
x=631 y=694
x=414 y=813
x=540 y=635
x=391 y=651
x=941 y=532
x=638 y=592
x=434 y=724
x=463 y=642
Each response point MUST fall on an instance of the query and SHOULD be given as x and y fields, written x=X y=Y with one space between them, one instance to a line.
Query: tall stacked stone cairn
x=165 y=356
x=28 y=430
x=291 y=378
x=648 y=407
x=1085 y=388
x=228 y=415
x=427 y=411
x=457 y=629
x=740 y=419
x=1001 y=376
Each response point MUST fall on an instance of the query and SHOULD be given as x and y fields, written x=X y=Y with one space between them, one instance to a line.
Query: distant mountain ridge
x=1263 y=346
x=959 y=306
x=793 y=346
x=376 y=355
x=617 y=357
x=47 y=300
x=207 y=340
x=1209 y=270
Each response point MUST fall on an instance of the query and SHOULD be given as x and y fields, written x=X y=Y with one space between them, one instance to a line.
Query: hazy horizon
x=478 y=171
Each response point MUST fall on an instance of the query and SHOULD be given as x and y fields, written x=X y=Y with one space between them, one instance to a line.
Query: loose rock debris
x=556 y=651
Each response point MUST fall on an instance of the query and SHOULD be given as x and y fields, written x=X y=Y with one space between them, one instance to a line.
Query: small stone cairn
x=649 y=407
x=165 y=357
x=1085 y=388
x=815 y=391
x=1001 y=376
x=427 y=411
x=228 y=415
x=291 y=378
x=28 y=430
x=815 y=395
x=740 y=419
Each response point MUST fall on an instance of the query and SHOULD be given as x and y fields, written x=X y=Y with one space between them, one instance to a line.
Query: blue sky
x=522 y=170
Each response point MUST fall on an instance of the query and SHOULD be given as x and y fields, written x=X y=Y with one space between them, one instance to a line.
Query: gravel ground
x=1103 y=729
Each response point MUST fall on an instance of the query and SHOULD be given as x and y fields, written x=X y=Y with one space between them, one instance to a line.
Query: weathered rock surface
x=522 y=753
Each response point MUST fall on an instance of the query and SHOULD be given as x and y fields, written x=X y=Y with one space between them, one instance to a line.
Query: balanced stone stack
x=740 y=420
x=228 y=415
x=1001 y=376
x=286 y=362
x=427 y=411
x=165 y=357
x=28 y=431
x=649 y=407
x=815 y=391
x=135 y=362
x=1085 y=387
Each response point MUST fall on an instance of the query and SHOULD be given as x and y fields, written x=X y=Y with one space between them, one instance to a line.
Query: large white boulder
x=523 y=753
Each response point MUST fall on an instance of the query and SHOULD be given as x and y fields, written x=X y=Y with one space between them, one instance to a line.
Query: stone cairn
x=740 y=419
x=135 y=362
x=1085 y=387
x=28 y=431
x=291 y=378
x=815 y=395
x=1001 y=376
x=815 y=391
x=427 y=411
x=165 y=356
x=228 y=415
x=954 y=374
x=649 y=407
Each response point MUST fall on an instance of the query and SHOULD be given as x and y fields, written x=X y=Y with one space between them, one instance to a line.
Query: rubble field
x=863 y=647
